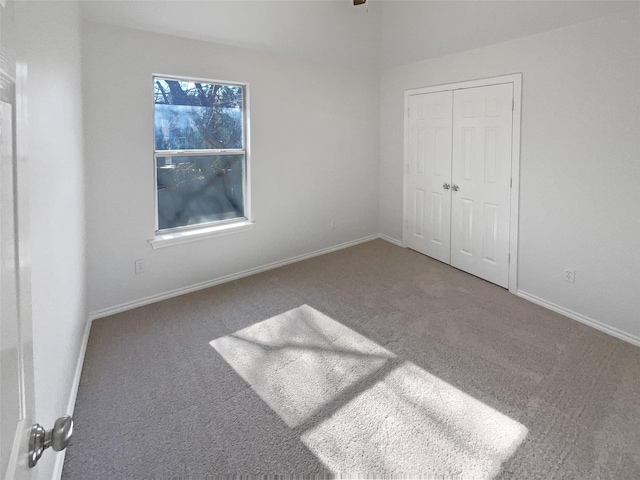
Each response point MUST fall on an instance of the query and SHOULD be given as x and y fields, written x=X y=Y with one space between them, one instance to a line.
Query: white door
x=481 y=181
x=16 y=359
x=458 y=178
x=428 y=174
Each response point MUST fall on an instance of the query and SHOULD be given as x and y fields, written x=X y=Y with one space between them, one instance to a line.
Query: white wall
x=49 y=43
x=314 y=159
x=580 y=160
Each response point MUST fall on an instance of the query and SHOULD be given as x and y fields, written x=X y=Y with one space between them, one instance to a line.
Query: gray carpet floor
x=373 y=360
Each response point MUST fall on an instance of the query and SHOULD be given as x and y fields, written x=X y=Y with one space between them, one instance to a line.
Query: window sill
x=176 y=238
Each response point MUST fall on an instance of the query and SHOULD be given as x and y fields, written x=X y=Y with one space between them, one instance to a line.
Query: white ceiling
x=382 y=34
x=416 y=30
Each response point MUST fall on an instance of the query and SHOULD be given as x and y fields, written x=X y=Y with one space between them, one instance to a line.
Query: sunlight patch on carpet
x=300 y=360
x=367 y=415
x=413 y=422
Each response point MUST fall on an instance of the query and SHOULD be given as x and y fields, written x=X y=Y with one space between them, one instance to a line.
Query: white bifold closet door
x=458 y=179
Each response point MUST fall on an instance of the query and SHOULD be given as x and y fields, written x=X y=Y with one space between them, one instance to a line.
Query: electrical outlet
x=139 y=266
x=569 y=275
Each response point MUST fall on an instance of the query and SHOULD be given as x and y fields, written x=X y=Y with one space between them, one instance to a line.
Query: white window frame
x=189 y=233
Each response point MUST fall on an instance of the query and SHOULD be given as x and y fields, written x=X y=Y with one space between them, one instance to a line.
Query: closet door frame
x=516 y=80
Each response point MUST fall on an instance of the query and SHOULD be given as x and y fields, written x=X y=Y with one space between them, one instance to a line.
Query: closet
x=458 y=177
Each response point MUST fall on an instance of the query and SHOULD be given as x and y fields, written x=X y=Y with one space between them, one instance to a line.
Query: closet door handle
x=455 y=187
x=446 y=186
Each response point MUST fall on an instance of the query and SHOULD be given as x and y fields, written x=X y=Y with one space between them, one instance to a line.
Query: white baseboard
x=227 y=278
x=581 y=318
x=391 y=240
x=57 y=469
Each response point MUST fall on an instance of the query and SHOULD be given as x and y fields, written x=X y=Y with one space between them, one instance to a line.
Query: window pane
x=195 y=115
x=200 y=189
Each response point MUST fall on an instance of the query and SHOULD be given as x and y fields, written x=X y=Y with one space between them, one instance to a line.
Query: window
x=200 y=153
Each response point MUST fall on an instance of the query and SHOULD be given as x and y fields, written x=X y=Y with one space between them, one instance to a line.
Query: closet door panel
x=481 y=179
x=428 y=202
